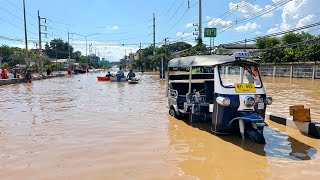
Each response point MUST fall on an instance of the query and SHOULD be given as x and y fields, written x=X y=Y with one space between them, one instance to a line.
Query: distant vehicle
x=225 y=91
x=79 y=71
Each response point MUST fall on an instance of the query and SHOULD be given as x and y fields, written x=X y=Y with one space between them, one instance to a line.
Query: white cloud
x=306 y=20
x=273 y=30
x=247 y=8
x=181 y=35
x=189 y=25
x=248 y=27
x=299 y=12
x=113 y=27
x=257 y=32
x=208 y=17
x=270 y=14
x=218 y=21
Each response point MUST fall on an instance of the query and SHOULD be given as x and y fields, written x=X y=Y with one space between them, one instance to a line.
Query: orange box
x=302 y=115
x=291 y=108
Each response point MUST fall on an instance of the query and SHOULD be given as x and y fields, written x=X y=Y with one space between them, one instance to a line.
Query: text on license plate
x=245 y=88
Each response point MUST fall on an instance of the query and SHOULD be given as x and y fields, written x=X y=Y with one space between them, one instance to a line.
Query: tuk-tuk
x=225 y=91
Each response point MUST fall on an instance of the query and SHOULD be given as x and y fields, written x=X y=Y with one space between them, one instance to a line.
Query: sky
x=114 y=28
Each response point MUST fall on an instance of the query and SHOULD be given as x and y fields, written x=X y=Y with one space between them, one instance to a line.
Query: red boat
x=103 y=78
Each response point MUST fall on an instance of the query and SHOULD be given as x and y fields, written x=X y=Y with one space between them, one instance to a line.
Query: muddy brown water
x=77 y=128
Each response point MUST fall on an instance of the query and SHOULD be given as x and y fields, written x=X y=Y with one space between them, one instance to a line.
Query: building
x=131 y=57
x=229 y=49
x=138 y=54
x=95 y=58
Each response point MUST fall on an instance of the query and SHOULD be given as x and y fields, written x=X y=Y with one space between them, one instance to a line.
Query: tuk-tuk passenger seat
x=209 y=91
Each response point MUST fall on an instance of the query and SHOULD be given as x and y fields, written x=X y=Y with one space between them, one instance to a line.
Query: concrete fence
x=296 y=70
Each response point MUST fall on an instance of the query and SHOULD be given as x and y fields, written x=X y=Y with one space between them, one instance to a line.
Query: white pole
x=161 y=68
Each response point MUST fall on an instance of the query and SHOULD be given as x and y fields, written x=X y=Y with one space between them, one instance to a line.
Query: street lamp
x=85 y=37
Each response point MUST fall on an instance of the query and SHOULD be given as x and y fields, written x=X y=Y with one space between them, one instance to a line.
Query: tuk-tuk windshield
x=232 y=74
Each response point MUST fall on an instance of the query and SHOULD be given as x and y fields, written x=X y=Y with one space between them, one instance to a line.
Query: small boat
x=103 y=78
x=133 y=81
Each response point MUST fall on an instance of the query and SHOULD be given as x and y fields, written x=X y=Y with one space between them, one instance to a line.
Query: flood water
x=78 y=128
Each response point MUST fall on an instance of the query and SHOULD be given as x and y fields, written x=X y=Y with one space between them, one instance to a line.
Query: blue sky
x=129 y=22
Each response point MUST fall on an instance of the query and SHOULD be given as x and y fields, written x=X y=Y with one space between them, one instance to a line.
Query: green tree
x=291 y=38
x=60 y=47
x=267 y=42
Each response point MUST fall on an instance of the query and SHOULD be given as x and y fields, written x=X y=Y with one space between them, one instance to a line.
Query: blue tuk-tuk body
x=226 y=91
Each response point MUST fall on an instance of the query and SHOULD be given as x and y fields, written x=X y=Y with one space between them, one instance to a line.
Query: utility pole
x=69 y=46
x=86 y=45
x=25 y=34
x=154 y=35
x=57 y=60
x=200 y=22
x=1 y=57
x=245 y=44
x=40 y=61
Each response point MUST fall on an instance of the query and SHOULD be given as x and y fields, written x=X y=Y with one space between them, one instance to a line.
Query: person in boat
x=120 y=74
x=109 y=74
x=131 y=74
x=28 y=76
x=4 y=73
x=49 y=72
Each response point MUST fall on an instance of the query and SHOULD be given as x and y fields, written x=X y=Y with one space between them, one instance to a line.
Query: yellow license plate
x=245 y=88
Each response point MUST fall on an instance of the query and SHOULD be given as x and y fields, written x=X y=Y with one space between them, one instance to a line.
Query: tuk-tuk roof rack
x=211 y=60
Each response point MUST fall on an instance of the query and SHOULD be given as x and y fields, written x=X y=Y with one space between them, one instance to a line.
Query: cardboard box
x=291 y=108
x=301 y=115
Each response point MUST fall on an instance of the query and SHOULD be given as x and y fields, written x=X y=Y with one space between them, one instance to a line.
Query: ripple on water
x=78 y=128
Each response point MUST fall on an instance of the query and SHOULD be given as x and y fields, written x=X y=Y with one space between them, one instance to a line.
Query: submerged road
x=77 y=128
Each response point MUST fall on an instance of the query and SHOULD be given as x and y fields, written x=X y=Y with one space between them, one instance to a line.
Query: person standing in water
x=120 y=74
x=28 y=76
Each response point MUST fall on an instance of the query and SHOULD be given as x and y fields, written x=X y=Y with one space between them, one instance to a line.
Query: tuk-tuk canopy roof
x=205 y=60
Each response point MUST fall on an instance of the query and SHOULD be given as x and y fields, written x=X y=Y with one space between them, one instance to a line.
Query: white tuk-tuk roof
x=205 y=60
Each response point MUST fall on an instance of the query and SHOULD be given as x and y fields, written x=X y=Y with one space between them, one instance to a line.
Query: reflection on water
x=295 y=91
x=78 y=128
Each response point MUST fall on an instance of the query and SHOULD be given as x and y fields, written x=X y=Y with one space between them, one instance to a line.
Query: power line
x=276 y=34
x=16 y=26
x=179 y=20
x=176 y=10
x=232 y=10
x=288 y=45
x=16 y=16
x=269 y=27
x=19 y=8
x=100 y=27
x=174 y=2
x=255 y=15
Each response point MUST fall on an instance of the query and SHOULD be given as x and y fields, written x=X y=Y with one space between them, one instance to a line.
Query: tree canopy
x=291 y=47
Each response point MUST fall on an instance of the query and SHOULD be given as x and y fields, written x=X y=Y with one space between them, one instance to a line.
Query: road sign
x=210 y=32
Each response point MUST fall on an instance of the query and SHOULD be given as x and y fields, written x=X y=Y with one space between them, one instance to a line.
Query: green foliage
x=5 y=65
x=274 y=52
x=291 y=38
x=149 y=61
x=267 y=42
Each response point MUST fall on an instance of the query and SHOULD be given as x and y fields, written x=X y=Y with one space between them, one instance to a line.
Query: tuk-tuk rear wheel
x=173 y=113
